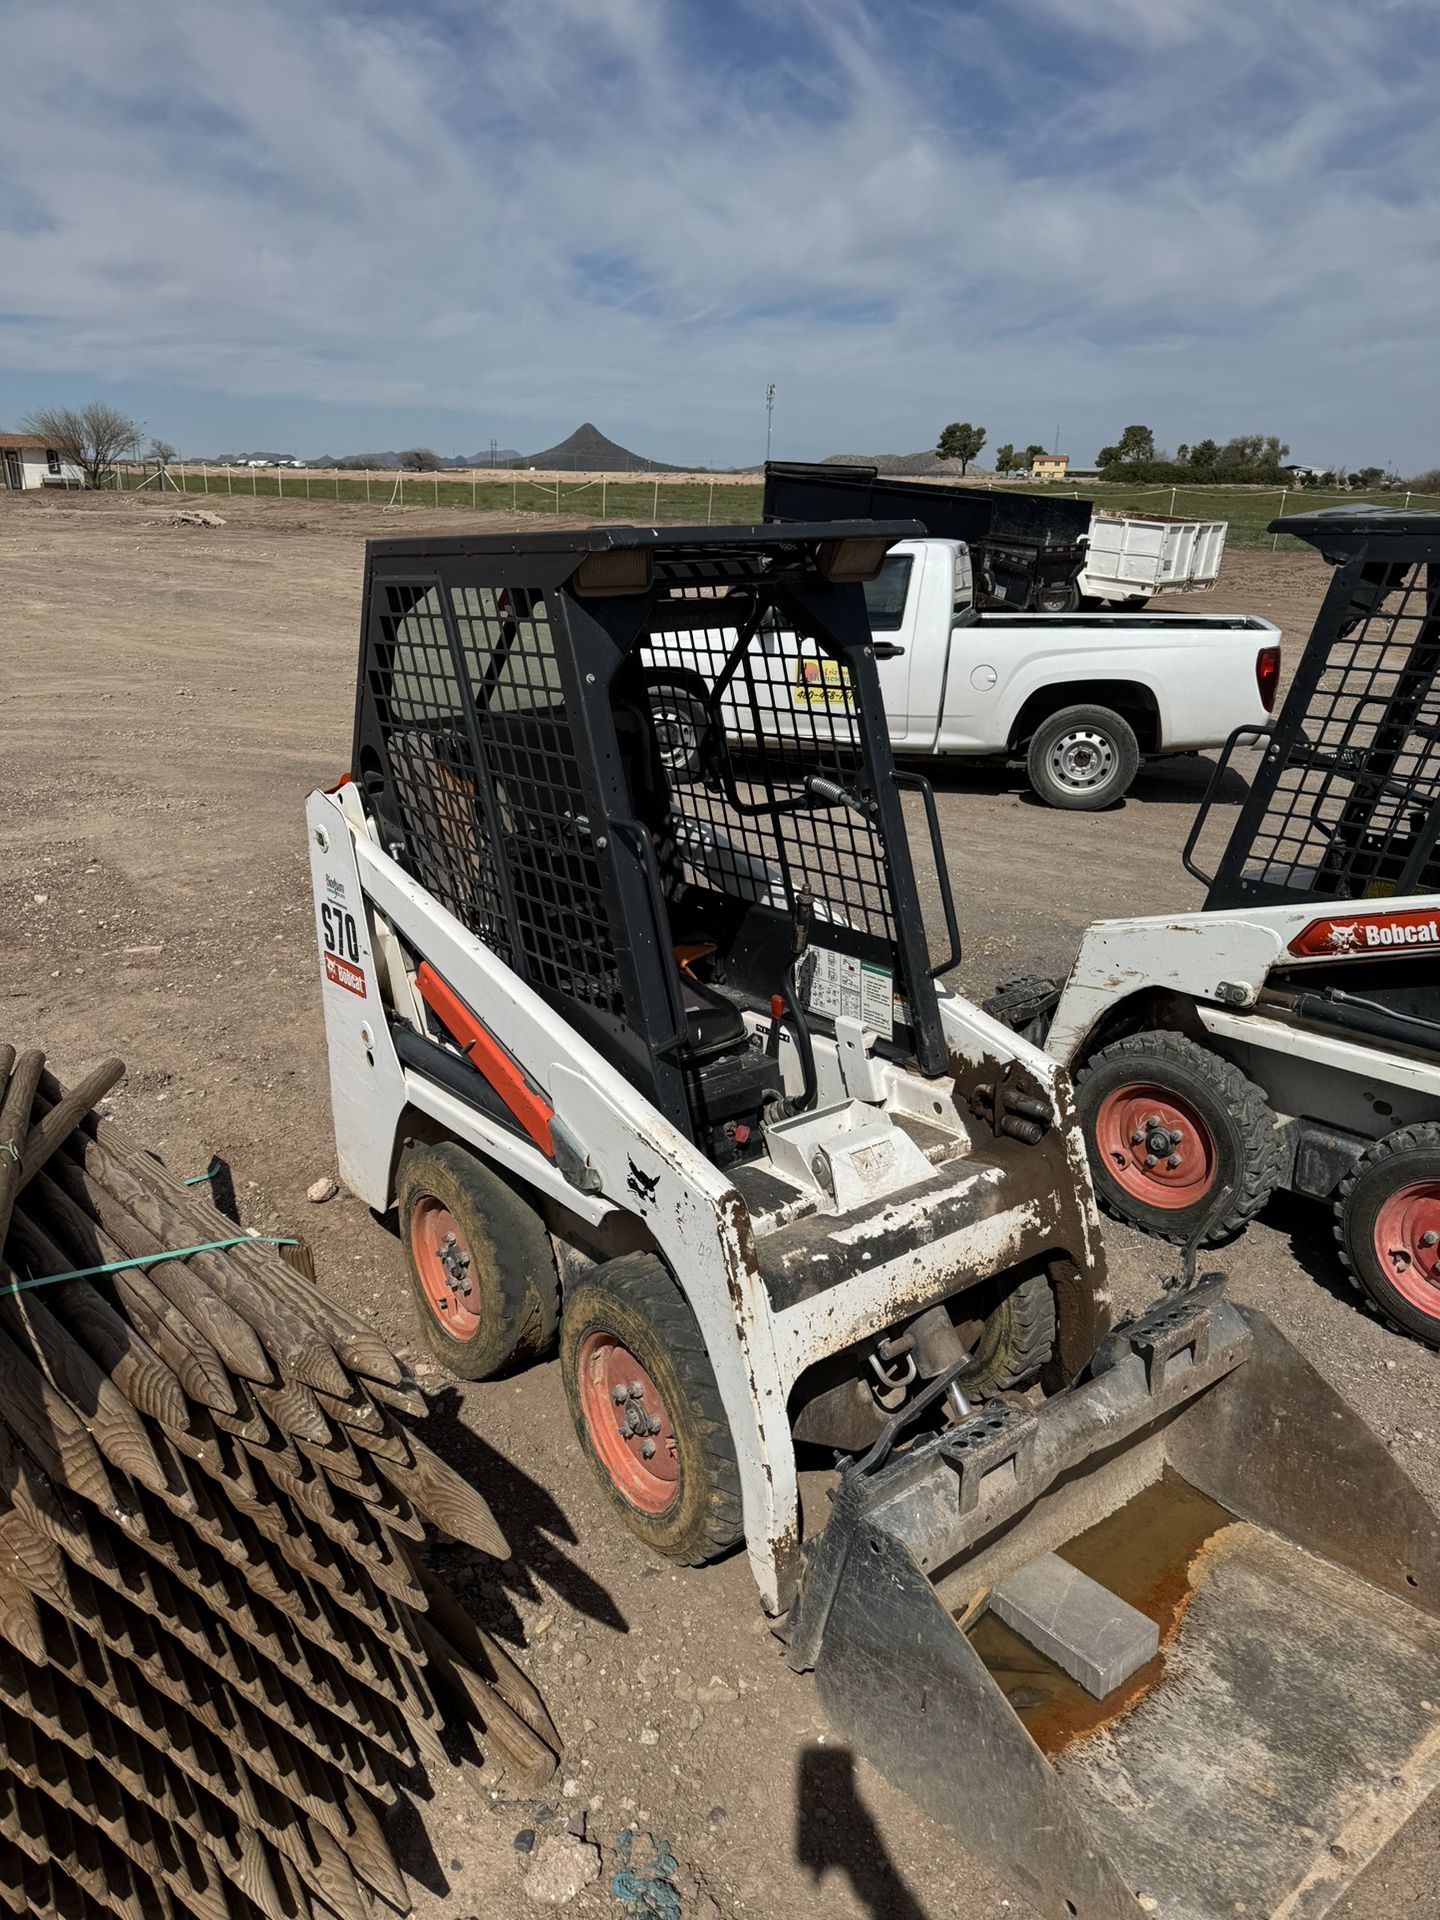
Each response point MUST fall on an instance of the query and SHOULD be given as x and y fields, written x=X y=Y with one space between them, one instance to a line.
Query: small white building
x=26 y=462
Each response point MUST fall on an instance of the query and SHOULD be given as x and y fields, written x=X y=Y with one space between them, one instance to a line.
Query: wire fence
x=658 y=500
x=653 y=499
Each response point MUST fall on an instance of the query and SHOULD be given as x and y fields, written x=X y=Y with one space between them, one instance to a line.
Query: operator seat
x=714 y=1024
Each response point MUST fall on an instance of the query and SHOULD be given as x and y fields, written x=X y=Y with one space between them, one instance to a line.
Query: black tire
x=1242 y=1147
x=510 y=1289
x=1026 y=1005
x=1082 y=758
x=1406 y=1158
x=1055 y=599
x=1016 y=1336
x=634 y=1303
x=681 y=727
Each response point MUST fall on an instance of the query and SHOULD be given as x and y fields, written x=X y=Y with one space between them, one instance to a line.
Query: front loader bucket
x=1289 y=1724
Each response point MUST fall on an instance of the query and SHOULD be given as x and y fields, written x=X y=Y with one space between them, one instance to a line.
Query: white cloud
x=1210 y=215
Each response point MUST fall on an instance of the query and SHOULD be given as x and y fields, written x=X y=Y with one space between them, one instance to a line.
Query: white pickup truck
x=1080 y=697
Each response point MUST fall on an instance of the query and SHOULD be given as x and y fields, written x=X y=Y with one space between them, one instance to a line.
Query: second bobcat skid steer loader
x=661 y=1059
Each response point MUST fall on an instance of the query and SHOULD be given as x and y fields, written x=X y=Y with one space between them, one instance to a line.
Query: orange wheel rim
x=1407 y=1241
x=1155 y=1146
x=446 y=1267
x=628 y=1423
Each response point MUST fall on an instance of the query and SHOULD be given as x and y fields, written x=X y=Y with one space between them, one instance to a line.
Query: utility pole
x=769 y=415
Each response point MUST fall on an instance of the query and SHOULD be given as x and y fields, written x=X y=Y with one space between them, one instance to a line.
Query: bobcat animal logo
x=642 y=1185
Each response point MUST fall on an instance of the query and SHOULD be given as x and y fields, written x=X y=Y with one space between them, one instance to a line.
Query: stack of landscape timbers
x=221 y=1652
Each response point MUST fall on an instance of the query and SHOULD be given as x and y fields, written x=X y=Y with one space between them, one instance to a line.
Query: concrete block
x=1089 y=1632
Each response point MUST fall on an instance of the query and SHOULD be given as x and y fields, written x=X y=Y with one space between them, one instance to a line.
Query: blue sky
x=344 y=224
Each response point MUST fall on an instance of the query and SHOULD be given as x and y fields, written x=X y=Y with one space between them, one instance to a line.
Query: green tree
x=960 y=441
x=1367 y=478
x=1182 y=453
x=419 y=460
x=92 y=437
x=1136 y=444
x=1005 y=460
x=1205 y=453
x=1032 y=453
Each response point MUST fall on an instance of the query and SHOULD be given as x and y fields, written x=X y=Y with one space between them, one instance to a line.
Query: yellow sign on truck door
x=822 y=683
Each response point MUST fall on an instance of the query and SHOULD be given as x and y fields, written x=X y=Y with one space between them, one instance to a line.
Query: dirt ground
x=167 y=698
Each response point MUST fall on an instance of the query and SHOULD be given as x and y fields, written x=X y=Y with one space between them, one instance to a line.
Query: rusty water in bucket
x=1146 y=1552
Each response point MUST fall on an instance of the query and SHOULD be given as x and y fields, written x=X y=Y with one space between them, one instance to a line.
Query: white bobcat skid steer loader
x=658 y=1053
x=1288 y=1034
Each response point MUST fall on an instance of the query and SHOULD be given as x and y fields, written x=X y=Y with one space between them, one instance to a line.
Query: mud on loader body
x=642 y=1035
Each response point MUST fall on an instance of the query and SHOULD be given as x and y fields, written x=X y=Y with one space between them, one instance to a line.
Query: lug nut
x=637 y=1389
x=1173 y=1161
x=1429 y=1239
x=1150 y=1159
x=652 y=1425
x=1137 y=1139
x=619 y=1395
x=647 y=1449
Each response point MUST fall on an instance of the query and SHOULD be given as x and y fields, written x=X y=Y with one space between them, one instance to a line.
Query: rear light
x=1267 y=676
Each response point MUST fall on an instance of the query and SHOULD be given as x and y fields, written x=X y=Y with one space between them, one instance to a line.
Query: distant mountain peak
x=587 y=450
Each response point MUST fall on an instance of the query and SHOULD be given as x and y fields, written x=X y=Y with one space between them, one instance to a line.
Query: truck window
x=885 y=594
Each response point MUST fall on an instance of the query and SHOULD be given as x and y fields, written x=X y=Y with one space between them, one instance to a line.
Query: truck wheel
x=1082 y=758
x=681 y=724
x=1010 y=1336
x=480 y=1263
x=1055 y=599
x=1387 y=1221
x=1171 y=1126
x=647 y=1410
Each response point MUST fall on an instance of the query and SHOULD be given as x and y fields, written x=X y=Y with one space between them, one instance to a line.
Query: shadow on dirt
x=1309 y=1226
x=1179 y=780
x=533 y=1522
x=834 y=1832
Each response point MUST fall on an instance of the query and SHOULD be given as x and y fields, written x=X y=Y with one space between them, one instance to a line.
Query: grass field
x=689 y=502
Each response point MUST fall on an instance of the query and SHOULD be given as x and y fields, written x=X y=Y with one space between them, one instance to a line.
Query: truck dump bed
x=1018 y=541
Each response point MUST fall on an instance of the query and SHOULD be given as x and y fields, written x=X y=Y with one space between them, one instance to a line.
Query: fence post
x=367 y=486
x=1276 y=541
x=402 y=486
x=514 y=492
x=1172 y=503
x=557 y=496
x=472 y=492
x=335 y=475
x=437 y=489
x=280 y=480
x=254 y=483
x=710 y=505
x=229 y=482
x=183 y=477
x=655 y=507
x=1407 y=497
x=205 y=476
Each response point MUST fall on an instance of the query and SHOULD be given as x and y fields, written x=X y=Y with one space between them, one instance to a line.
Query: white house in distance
x=26 y=462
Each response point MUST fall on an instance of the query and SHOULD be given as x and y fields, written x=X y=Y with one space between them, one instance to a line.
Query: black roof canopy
x=800 y=539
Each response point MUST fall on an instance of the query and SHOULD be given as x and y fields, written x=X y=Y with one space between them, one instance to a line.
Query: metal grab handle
x=919 y=784
x=887 y=650
x=655 y=889
x=1265 y=732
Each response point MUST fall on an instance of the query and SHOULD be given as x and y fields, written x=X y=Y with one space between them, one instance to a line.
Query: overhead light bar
x=856 y=559
x=613 y=570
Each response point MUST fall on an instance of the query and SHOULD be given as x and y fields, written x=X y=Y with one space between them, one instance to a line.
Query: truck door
x=892 y=599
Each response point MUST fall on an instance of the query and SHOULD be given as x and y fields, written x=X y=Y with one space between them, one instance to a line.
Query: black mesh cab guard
x=516 y=740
